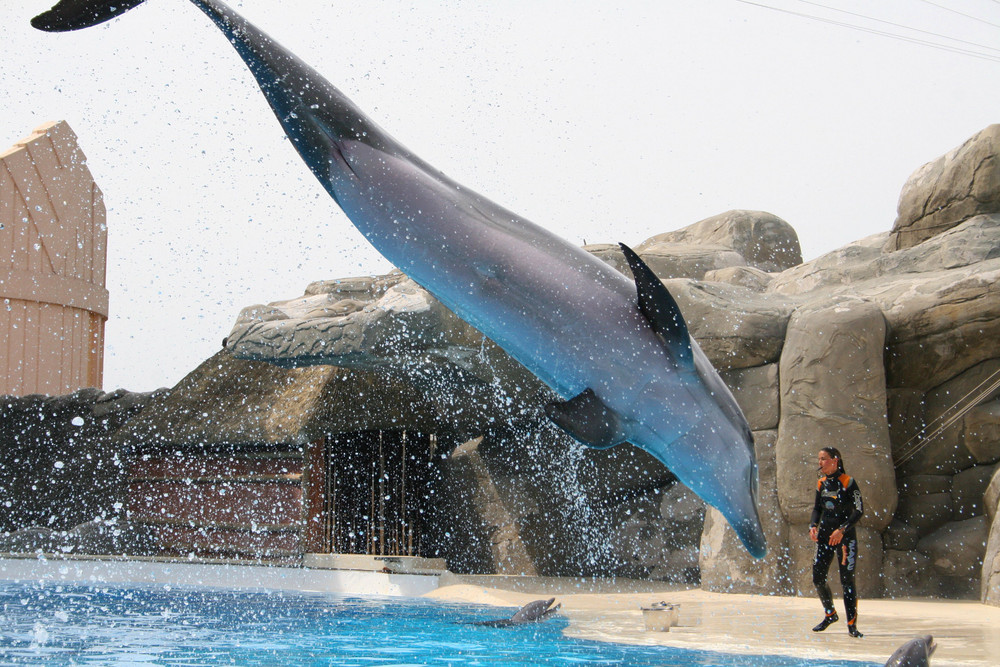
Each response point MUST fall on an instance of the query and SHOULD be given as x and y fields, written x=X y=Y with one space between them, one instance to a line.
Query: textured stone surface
x=925 y=513
x=906 y=573
x=981 y=432
x=688 y=260
x=485 y=533
x=956 y=186
x=920 y=485
x=943 y=451
x=991 y=497
x=764 y=240
x=944 y=323
x=907 y=417
x=940 y=298
x=736 y=327
x=662 y=537
x=957 y=551
x=968 y=489
x=900 y=536
x=726 y=567
x=756 y=392
x=749 y=277
x=849 y=266
x=990 y=585
x=833 y=394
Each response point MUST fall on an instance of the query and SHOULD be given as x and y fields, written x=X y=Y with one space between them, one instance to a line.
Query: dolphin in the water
x=914 y=653
x=529 y=613
x=617 y=350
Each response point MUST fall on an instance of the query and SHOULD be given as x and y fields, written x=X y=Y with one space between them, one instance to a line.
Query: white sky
x=602 y=121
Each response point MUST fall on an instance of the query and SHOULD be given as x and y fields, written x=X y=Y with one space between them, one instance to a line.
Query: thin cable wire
x=881 y=33
x=955 y=11
x=994 y=379
x=948 y=420
x=899 y=25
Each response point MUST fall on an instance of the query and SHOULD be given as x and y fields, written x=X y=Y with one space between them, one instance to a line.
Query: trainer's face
x=827 y=464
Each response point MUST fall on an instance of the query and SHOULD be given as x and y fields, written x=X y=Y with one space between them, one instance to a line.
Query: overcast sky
x=601 y=121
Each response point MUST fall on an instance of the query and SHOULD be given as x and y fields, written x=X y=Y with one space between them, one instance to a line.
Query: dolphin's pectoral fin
x=76 y=14
x=586 y=418
x=659 y=307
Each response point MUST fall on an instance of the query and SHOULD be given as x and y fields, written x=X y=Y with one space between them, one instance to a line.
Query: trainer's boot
x=827 y=621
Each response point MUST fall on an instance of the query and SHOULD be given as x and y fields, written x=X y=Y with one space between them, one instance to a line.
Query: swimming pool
x=62 y=624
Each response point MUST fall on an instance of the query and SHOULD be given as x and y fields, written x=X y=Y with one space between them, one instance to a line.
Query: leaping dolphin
x=618 y=351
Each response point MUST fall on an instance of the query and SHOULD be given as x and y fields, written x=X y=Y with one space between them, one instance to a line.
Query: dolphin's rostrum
x=617 y=350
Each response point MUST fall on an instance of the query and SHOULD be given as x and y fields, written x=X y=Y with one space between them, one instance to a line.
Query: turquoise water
x=57 y=624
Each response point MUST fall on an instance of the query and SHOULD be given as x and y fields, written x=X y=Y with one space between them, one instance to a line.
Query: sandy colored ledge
x=968 y=633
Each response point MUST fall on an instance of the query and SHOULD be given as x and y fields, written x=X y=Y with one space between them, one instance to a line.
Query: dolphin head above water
x=914 y=653
x=617 y=350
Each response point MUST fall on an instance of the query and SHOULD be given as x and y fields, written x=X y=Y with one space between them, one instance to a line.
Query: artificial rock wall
x=868 y=348
x=861 y=349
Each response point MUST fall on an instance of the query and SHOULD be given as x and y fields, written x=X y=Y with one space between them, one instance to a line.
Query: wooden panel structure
x=246 y=505
x=53 y=253
x=374 y=489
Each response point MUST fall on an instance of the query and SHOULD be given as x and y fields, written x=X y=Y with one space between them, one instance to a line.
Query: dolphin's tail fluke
x=78 y=14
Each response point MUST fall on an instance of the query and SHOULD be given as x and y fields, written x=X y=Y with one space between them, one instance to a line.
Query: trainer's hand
x=836 y=536
x=814 y=533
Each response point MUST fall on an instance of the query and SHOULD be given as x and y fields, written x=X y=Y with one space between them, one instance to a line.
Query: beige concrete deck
x=967 y=633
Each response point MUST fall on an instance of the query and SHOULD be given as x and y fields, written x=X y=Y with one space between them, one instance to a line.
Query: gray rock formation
x=957 y=186
x=956 y=552
x=754 y=238
x=867 y=348
x=833 y=395
x=877 y=348
x=990 y=590
x=725 y=565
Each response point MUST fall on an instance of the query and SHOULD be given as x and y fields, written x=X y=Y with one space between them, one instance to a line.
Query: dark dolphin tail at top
x=78 y=14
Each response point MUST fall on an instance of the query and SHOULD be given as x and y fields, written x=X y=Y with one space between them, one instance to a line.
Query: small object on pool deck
x=661 y=616
x=529 y=613
x=914 y=653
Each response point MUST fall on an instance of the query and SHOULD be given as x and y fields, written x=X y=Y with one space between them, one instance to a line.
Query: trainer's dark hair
x=835 y=453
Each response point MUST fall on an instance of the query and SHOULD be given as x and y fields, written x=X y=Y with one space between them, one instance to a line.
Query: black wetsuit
x=838 y=505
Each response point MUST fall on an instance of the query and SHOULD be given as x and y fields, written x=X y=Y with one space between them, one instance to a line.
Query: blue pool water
x=59 y=624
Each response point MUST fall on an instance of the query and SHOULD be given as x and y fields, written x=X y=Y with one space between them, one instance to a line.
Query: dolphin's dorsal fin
x=586 y=418
x=660 y=309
